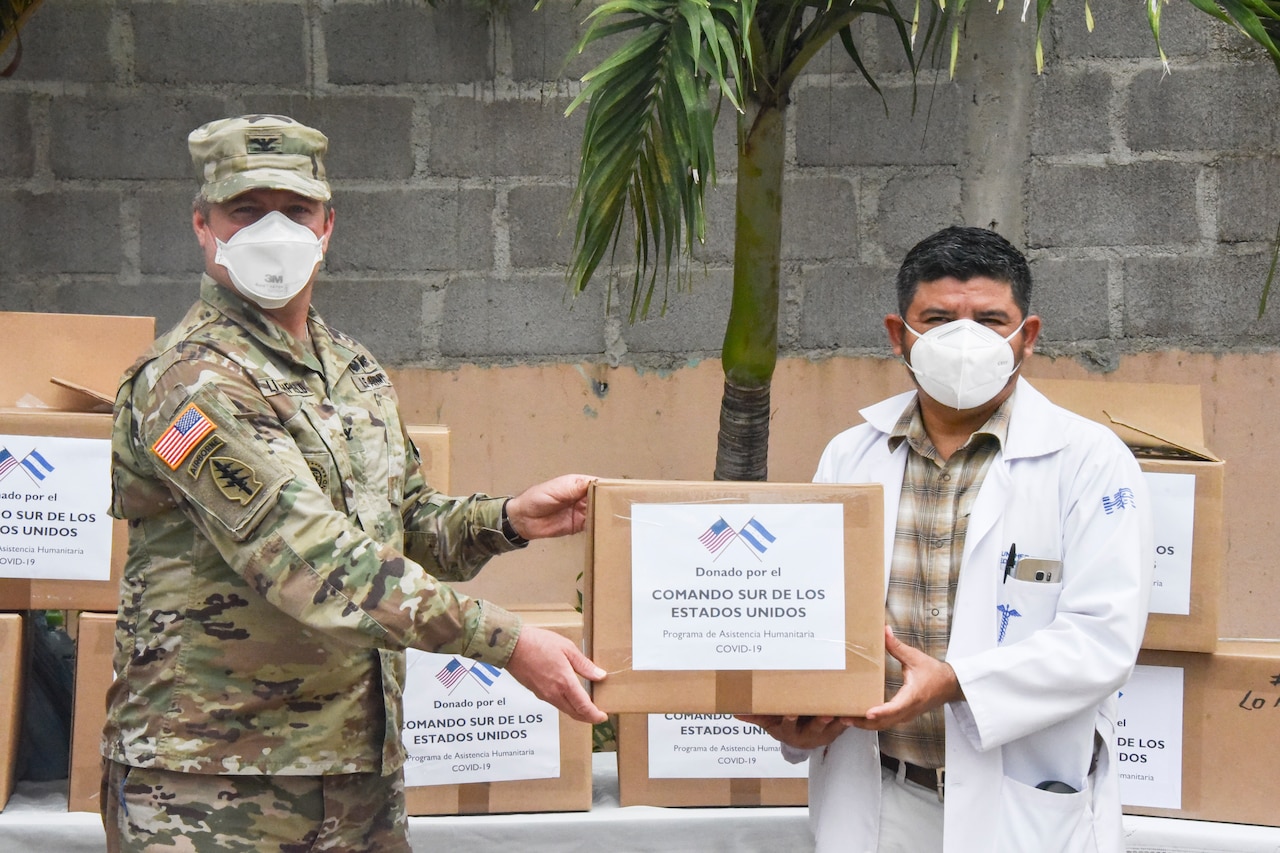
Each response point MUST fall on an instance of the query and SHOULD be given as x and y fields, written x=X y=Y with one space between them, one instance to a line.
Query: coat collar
x=1030 y=433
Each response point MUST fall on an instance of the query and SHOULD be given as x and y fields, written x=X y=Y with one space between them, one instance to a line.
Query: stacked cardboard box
x=703 y=760
x=1163 y=426
x=1200 y=715
x=516 y=753
x=56 y=507
x=95 y=646
x=11 y=658
x=59 y=549
x=521 y=789
x=567 y=789
x=1198 y=734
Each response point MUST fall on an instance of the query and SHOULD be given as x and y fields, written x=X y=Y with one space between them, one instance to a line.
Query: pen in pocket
x=1010 y=562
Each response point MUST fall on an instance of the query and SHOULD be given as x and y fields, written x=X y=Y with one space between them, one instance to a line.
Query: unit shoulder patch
x=320 y=473
x=207 y=448
x=234 y=478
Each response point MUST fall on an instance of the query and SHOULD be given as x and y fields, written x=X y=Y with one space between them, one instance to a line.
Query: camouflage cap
x=233 y=155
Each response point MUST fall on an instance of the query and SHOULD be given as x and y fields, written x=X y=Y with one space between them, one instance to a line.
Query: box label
x=465 y=721
x=1149 y=738
x=737 y=586
x=54 y=497
x=1173 y=512
x=715 y=746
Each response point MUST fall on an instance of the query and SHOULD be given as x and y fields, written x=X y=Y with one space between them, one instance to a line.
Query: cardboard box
x=637 y=787
x=804 y=638
x=47 y=593
x=1230 y=731
x=1163 y=426
x=11 y=664
x=87 y=350
x=432 y=441
x=95 y=647
x=571 y=791
x=62 y=391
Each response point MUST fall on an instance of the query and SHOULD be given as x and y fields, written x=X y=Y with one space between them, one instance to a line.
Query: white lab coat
x=1034 y=698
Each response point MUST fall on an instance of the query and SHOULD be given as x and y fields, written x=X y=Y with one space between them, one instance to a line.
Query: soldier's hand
x=799 y=732
x=549 y=665
x=557 y=507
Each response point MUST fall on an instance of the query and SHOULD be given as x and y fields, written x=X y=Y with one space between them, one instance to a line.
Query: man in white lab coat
x=1018 y=567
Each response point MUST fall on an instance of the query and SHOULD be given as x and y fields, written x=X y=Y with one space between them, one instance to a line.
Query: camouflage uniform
x=283 y=551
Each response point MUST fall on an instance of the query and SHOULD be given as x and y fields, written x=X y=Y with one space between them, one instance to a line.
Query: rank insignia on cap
x=263 y=143
x=234 y=479
x=183 y=434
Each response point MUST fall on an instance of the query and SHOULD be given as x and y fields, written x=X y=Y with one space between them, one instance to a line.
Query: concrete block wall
x=1146 y=201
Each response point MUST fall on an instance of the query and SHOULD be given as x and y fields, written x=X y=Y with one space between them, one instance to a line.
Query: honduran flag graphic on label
x=36 y=466
x=485 y=673
x=757 y=536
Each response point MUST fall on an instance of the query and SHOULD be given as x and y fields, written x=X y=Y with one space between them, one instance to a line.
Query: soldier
x=284 y=547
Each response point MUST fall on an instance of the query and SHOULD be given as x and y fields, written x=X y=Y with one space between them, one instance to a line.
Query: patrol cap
x=233 y=155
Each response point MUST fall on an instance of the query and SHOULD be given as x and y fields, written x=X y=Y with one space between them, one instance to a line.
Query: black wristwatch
x=508 y=530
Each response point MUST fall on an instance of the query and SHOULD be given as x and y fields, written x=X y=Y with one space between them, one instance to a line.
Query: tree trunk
x=742 y=452
x=751 y=336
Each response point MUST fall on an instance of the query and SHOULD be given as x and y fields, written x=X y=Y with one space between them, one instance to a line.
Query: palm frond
x=908 y=33
x=14 y=15
x=648 y=143
x=1271 y=274
x=1257 y=19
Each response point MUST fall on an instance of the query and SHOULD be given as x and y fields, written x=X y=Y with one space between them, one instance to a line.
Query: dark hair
x=964 y=252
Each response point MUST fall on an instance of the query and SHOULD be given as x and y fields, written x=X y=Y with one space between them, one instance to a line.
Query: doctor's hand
x=557 y=507
x=927 y=684
x=800 y=732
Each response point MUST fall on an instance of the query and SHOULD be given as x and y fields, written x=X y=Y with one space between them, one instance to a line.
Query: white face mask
x=962 y=364
x=271 y=260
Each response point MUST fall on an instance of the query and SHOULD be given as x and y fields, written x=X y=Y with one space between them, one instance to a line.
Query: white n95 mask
x=271 y=260
x=962 y=364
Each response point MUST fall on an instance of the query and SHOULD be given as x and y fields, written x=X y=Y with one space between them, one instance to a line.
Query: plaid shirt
x=933 y=517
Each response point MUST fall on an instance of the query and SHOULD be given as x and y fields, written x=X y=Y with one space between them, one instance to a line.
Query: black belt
x=922 y=776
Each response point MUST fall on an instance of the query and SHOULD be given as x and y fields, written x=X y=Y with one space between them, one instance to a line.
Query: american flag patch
x=182 y=436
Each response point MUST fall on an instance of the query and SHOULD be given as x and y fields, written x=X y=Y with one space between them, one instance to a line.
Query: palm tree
x=647 y=152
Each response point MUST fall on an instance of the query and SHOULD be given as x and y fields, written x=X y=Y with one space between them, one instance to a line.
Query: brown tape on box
x=745 y=792
x=733 y=691
x=473 y=798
